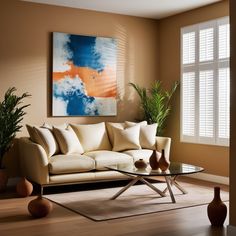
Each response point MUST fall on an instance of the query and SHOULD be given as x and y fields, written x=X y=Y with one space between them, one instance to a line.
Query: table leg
x=152 y=187
x=168 y=182
x=176 y=184
x=131 y=183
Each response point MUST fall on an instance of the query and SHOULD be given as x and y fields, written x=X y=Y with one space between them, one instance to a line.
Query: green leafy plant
x=155 y=103
x=11 y=115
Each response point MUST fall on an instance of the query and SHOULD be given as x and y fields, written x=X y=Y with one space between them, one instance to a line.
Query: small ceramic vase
x=217 y=210
x=163 y=163
x=40 y=207
x=24 y=188
x=140 y=164
x=3 y=180
x=153 y=160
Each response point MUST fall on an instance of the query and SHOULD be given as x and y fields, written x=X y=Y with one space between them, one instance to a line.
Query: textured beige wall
x=25 y=54
x=25 y=62
x=233 y=115
x=214 y=159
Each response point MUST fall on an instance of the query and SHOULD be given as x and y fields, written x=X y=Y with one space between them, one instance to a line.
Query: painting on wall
x=84 y=75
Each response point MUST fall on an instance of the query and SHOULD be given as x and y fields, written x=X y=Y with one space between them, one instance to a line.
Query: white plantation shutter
x=206 y=37
x=189 y=48
x=206 y=104
x=188 y=103
x=224 y=41
x=223 y=108
x=205 y=82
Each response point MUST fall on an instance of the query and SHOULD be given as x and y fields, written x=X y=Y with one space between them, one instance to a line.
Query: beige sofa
x=100 y=145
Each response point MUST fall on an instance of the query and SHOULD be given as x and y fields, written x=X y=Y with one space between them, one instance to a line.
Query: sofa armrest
x=163 y=143
x=33 y=161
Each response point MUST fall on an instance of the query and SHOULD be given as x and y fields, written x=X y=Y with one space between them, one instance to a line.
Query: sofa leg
x=41 y=190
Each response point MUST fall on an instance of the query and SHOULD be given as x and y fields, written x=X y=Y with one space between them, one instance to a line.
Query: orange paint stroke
x=102 y=84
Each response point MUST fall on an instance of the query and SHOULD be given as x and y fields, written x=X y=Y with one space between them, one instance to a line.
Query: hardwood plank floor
x=16 y=221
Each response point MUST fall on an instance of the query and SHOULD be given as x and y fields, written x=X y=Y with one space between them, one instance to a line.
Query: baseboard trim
x=211 y=178
x=231 y=230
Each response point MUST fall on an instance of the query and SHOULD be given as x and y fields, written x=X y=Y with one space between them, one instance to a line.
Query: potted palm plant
x=155 y=103
x=11 y=115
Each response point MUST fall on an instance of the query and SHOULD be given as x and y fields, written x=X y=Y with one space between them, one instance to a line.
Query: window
x=205 y=82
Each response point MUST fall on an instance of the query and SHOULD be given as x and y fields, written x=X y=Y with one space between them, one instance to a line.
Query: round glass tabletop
x=175 y=168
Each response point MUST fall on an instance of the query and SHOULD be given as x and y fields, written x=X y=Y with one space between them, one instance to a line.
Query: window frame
x=215 y=65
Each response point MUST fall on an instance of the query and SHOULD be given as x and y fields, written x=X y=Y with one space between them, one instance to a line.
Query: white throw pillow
x=61 y=126
x=68 y=141
x=126 y=139
x=92 y=137
x=147 y=136
x=130 y=123
x=46 y=140
x=110 y=126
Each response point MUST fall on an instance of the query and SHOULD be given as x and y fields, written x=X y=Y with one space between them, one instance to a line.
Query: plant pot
x=3 y=180
x=40 y=207
x=24 y=188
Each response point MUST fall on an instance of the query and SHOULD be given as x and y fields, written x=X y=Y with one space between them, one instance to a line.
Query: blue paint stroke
x=83 y=52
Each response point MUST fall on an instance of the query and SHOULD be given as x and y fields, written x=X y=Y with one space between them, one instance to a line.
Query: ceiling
x=155 y=9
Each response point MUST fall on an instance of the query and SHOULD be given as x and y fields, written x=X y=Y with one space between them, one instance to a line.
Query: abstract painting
x=84 y=75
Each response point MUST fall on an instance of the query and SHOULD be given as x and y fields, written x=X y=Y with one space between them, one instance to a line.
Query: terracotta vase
x=39 y=207
x=163 y=163
x=153 y=160
x=140 y=164
x=217 y=210
x=3 y=180
x=24 y=188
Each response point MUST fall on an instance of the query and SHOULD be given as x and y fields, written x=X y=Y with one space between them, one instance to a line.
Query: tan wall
x=25 y=54
x=214 y=159
x=233 y=115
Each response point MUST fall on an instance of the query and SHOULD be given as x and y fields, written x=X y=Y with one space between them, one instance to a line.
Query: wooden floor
x=16 y=221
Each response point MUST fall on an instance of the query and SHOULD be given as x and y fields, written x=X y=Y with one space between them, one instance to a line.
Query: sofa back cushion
x=126 y=139
x=92 y=137
x=110 y=132
x=147 y=136
x=67 y=140
x=45 y=138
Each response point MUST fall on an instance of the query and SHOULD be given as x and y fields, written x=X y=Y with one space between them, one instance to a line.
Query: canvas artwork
x=84 y=75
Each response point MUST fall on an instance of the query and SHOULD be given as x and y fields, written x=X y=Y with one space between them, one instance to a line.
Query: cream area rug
x=137 y=200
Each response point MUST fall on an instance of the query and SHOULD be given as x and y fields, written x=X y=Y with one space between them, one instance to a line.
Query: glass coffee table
x=175 y=169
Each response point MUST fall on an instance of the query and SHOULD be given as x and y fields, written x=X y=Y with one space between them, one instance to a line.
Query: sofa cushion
x=68 y=141
x=141 y=154
x=126 y=139
x=110 y=126
x=147 y=136
x=71 y=163
x=92 y=137
x=47 y=140
x=42 y=137
x=105 y=158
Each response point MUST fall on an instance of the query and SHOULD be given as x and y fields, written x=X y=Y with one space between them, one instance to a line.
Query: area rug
x=137 y=200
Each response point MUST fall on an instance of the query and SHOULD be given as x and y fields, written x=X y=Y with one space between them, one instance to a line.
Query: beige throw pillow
x=126 y=139
x=147 y=136
x=46 y=139
x=92 y=137
x=34 y=136
x=32 y=133
x=110 y=126
x=68 y=140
